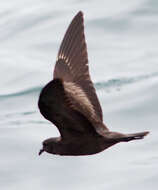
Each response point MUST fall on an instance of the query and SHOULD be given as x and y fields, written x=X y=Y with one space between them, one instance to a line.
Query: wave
x=115 y=83
x=120 y=82
x=23 y=92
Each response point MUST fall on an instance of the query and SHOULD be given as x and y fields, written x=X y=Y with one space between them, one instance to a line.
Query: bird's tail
x=134 y=136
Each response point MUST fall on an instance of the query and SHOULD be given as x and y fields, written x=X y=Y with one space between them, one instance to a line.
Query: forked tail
x=134 y=136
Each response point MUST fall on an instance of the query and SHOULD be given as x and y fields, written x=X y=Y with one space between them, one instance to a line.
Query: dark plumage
x=70 y=102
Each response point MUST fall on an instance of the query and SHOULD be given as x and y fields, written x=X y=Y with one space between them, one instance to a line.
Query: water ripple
x=23 y=92
x=120 y=82
x=102 y=85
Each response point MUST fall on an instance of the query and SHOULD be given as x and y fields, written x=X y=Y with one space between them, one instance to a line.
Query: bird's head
x=49 y=145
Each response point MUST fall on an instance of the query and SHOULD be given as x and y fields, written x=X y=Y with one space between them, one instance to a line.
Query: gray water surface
x=123 y=58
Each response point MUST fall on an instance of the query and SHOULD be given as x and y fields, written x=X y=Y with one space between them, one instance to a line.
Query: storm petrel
x=70 y=102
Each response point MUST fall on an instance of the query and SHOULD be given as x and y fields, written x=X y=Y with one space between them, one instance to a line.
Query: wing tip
x=79 y=15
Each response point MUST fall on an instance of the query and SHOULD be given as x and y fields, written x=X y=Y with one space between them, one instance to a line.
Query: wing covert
x=56 y=106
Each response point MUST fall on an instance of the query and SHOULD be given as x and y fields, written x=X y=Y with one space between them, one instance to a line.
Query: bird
x=69 y=101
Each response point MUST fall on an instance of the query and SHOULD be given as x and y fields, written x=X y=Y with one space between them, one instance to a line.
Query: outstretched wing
x=57 y=107
x=72 y=62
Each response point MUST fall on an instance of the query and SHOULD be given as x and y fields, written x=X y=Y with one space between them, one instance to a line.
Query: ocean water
x=122 y=44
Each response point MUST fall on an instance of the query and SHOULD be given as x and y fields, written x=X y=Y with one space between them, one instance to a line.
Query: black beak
x=40 y=152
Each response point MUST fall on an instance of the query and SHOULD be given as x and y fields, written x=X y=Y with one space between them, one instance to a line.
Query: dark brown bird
x=70 y=102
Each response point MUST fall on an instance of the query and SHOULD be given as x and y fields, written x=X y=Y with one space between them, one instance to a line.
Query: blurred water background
x=123 y=57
